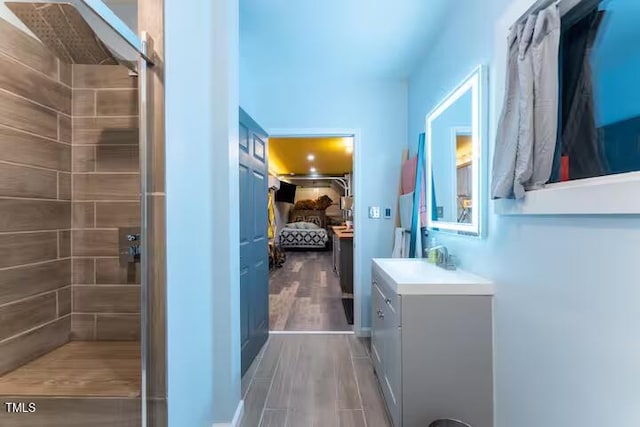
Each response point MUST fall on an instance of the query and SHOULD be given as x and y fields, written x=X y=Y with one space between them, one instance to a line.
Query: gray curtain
x=581 y=141
x=528 y=126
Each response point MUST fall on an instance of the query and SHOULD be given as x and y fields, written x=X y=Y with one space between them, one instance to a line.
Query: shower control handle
x=134 y=249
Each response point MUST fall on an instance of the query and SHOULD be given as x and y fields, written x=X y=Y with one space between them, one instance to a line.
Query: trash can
x=449 y=423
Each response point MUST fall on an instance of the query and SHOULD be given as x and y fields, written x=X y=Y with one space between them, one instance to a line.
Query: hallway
x=305 y=295
x=313 y=380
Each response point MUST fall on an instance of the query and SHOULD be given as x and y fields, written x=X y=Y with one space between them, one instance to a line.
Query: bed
x=316 y=217
x=303 y=235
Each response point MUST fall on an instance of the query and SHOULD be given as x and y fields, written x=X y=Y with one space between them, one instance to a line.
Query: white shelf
x=608 y=195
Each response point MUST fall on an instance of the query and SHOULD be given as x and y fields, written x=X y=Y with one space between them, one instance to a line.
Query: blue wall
x=203 y=304
x=566 y=311
x=616 y=62
x=278 y=96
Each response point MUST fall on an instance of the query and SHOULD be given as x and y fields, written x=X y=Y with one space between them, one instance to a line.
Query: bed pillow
x=310 y=226
x=314 y=219
x=303 y=226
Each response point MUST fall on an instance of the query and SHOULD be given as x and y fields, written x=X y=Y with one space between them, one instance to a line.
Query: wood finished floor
x=313 y=381
x=305 y=294
x=79 y=368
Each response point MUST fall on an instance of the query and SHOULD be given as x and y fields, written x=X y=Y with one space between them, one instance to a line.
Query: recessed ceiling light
x=312 y=170
x=348 y=143
x=311 y=157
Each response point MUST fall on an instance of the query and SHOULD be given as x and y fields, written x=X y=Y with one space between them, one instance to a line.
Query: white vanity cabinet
x=432 y=343
x=386 y=346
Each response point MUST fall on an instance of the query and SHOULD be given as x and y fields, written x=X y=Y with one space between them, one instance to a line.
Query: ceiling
x=372 y=38
x=331 y=156
x=383 y=38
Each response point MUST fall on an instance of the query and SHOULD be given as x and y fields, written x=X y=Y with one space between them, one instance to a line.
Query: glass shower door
x=73 y=263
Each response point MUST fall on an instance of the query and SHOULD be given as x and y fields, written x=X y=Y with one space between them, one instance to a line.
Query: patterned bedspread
x=301 y=238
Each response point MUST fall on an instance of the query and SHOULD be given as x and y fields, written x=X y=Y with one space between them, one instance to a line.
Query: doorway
x=261 y=257
x=311 y=279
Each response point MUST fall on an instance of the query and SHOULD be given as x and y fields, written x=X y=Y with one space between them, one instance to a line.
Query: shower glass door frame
x=143 y=82
x=134 y=52
x=142 y=48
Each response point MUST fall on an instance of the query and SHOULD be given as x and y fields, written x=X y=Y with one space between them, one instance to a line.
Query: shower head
x=79 y=32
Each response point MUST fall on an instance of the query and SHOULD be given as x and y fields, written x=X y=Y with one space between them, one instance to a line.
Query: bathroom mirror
x=455 y=160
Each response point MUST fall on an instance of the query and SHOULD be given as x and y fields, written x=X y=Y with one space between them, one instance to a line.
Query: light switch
x=387 y=213
x=374 y=212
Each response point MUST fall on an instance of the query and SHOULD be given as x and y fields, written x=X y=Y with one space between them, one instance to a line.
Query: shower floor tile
x=79 y=368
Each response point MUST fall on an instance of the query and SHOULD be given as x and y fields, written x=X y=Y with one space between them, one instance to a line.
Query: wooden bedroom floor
x=305 y=294
x=79 y=368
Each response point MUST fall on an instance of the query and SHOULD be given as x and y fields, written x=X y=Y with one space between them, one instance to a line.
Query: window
x=599 y=128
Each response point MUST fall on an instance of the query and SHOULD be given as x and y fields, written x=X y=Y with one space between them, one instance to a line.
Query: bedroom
x=310 y=233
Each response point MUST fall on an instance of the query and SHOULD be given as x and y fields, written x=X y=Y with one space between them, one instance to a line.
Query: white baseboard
x=237 y=417
x=363 y=332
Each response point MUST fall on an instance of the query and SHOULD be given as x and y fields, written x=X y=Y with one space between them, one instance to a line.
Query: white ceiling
x=382 y=38
x=379 y=38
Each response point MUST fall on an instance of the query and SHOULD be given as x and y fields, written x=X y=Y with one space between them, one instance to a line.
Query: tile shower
x=105 y=198
x=35 y=204
x=69 y=187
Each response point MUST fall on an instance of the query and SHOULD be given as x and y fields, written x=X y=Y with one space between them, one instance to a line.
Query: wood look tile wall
x=106 y=197
x=35 y=200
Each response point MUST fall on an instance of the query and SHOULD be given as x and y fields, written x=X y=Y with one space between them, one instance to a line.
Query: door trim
x=359 y=209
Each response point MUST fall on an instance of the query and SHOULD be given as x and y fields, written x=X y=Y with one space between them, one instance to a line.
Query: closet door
x=254 y=257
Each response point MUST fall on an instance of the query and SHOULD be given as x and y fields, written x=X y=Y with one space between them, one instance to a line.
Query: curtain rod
x=564 y=5
x=535 y=8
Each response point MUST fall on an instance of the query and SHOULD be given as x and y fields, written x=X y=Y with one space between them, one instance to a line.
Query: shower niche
x=71 y=297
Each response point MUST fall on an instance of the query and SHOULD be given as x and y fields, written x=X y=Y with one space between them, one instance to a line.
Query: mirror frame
x=477 y=83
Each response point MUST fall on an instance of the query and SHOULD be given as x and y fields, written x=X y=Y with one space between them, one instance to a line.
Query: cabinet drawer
x=392 y=301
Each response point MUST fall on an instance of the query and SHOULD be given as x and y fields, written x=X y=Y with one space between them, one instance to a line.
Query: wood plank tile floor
x=313 y=381
x=305 y=294
x=79 y=368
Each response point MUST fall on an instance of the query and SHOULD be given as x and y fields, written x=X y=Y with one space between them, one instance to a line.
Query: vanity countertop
x=418 y=277
x=343 y=232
